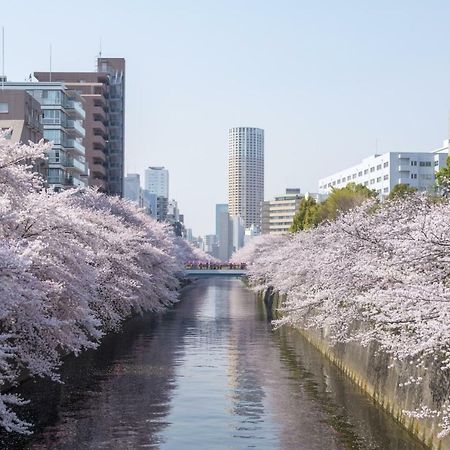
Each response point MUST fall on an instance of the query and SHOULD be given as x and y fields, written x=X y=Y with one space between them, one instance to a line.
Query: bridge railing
x=215 y=266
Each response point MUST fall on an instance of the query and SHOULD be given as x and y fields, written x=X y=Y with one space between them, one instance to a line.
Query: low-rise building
x=382 y=172
x=278 y=214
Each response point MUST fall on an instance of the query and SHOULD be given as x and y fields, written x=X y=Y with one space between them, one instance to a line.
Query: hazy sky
x=325 y=79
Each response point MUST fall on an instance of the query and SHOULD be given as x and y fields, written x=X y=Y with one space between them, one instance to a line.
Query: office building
x=157 y=182
x=237 y=232
x=382 y=172
x=278 y=214
x=173 y=213
x=132 y=188
x=223 y=233
x=246 y=174
x=103 y=93
x=149 y=202
x=63 y=115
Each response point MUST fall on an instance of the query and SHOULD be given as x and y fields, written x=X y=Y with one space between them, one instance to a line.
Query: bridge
x=215 y=272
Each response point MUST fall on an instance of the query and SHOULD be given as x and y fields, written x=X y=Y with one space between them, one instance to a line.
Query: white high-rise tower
x=246 y=174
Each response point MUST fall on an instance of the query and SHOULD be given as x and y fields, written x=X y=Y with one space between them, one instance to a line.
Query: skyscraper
x=246 y=174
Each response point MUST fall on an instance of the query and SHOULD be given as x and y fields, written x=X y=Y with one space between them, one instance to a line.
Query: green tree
x=310 y=213
x=443 y=178
x=305 y=216
x=401 y=191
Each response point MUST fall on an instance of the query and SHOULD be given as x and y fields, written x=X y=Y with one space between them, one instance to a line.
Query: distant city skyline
x=329 y=83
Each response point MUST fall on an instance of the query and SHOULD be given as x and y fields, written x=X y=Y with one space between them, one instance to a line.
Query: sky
x=330 y=82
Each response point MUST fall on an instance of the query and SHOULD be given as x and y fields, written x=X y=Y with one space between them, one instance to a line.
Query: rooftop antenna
x=50 y=72
x=3 y=57
x=99 y=55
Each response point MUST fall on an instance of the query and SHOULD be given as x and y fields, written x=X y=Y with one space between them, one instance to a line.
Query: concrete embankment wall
x=377 y=374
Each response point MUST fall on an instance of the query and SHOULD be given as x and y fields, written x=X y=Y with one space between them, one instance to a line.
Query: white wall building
x=157 y=181
x=382 y=172
x=246 y=174
x=278 y=214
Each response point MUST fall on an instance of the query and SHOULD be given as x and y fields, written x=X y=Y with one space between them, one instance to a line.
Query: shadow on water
x=360 y=423
x=208 y=374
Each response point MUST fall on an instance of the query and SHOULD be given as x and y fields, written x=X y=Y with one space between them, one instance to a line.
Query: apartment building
x=382 y=172
x=103 y=93
x=22 y=114
x=278 y=214
x=62 y=115
x=246 y=174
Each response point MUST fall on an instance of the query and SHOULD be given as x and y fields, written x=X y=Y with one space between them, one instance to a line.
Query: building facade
x=382 y=172
x=22 y=114
x=224 y=232
x=246 y=174
x=103 y=93
x=157 y=183
x=278 y=214
x=132 y=188
x=63 y=115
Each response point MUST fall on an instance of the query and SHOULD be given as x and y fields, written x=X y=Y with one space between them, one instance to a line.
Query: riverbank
x=380 y=377
x=215 y=349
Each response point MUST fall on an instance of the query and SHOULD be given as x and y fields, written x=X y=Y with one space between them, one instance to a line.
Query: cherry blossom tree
x=73 y=266
x=377 y=274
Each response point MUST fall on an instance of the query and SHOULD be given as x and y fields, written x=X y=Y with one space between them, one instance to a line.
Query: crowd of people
x=198 y=265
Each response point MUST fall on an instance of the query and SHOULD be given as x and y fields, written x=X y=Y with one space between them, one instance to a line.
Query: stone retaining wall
x=371 y=370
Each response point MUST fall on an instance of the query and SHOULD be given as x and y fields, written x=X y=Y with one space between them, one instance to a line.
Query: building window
x=372 y=169
x=386 y=164
x=425 y=164
x=359 y=174
x=9 y=134
x=378 y=179
x=414 y=176
x=414 y=163
x=379 y=167
x=366 y=171
x=385 y=190
x=4 y=107
x=386 y=177
x=372 y=181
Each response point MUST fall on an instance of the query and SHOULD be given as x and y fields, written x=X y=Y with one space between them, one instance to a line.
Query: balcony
x=75 y=145
x=75 y=165
x=99 y=112
x=98 y=125
x=98 y=169
x=76 y=127
x=99 y=141
x=62 y=179
x=99 y=155
x=404 y=168
x=75 y=109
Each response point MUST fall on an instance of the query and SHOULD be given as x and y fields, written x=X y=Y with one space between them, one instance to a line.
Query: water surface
x=208 y=374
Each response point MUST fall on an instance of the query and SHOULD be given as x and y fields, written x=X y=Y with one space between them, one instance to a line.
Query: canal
x=208 y=374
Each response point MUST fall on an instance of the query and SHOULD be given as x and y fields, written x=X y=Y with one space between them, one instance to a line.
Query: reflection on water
x=208 y=374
